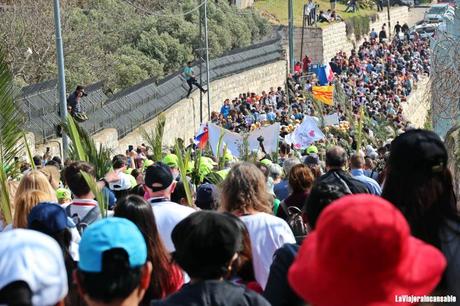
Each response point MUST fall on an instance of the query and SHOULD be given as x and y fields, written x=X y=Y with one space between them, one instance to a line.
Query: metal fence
x=136 y=105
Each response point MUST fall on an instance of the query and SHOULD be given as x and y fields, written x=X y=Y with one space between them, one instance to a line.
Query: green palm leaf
x=101 y=199
x=11 y=132
x=183 y=159
x=154 y=138
x=84 y=148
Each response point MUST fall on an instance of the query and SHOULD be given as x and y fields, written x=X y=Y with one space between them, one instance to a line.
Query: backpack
x=82 y=224
x=295 y=221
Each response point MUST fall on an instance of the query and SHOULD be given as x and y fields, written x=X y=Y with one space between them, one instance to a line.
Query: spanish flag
x=324 y=94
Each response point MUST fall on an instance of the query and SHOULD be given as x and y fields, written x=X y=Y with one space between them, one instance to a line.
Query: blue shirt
x=271 y=116
x=225 y=110
x=371 y=184
x=188 y=71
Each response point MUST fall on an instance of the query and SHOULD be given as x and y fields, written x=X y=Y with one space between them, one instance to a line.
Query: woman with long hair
x=244 y=194
x=23 y=204
x=419 y=183
x=300 y=181
x=166 y=277
x=35 y=180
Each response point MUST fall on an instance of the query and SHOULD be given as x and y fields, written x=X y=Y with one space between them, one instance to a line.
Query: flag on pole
x=201 y=139
x=329 y=73
x=305 y=134
x=323 y=94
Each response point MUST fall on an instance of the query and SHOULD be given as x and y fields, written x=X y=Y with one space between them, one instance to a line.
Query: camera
x=260 y=139
x=84 y=94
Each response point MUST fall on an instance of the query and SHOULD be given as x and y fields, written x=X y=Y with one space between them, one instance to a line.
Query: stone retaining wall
x=183 y=118
x=321 y=44
x=418 y=104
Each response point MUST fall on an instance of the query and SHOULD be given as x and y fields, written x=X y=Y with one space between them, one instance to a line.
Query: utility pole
x=291 y=36
x=201 y=65
x=389 y=20
x=207 y=57
x=61 y=74
x=303 y=30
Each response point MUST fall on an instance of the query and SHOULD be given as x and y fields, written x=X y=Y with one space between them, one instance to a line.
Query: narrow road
x=415 y=15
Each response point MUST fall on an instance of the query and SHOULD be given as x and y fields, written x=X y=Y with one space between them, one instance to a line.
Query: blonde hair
x=245 y=190
x=24 y=203
x=35 y=180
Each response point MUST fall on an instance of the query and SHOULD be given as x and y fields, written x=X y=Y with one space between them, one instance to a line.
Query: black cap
x=205 y=243
x=207 y=196
x=158 y=177
x=418 y=151
x=311 y=159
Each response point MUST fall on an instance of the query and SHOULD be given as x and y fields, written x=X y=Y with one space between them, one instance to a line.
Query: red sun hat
x=362 y=254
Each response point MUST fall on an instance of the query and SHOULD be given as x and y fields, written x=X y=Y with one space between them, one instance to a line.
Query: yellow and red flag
x=324 y=94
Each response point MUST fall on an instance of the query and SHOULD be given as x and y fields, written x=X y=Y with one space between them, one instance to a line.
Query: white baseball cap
x=35 y=258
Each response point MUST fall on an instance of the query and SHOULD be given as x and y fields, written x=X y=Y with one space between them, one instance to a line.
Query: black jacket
x=213 y=293
x=278 y=292
x=344 y=180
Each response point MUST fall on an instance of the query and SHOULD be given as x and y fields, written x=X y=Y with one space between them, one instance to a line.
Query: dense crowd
x=333 y=224
x=379 y=76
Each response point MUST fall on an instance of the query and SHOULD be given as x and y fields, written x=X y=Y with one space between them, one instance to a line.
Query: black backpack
x=295 y=221
x=82 y=224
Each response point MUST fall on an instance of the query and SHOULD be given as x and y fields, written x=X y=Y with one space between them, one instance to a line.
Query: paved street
x=416 y=14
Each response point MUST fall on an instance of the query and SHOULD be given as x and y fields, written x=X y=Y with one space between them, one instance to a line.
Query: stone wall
x=321 y=44
x=418 y=104
x=183 y=118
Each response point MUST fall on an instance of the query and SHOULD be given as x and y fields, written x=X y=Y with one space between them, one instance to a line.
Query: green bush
x=112 y=41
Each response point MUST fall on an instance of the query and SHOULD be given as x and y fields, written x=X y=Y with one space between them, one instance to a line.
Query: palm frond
x=5 y=197
x=77 y=151
x=183 y=158
x=84 y=148
x=359 y=141
x=154 y=138
x=102 y=200
x=220 y=152
x=11 y=121
x=196 y=177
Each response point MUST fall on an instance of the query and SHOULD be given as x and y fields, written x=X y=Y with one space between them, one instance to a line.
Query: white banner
x=234 y=141
x=332 y=119
x=305 y=134
x=270 y=134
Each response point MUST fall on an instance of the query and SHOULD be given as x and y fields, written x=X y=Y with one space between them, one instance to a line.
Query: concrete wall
x=418 y=104
x=183 y=118
x=321 y=44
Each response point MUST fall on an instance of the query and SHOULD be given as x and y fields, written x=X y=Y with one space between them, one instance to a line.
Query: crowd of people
x=334 y=224
x=238 y=242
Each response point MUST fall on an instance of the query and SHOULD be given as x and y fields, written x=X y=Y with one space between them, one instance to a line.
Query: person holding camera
x=74 y=105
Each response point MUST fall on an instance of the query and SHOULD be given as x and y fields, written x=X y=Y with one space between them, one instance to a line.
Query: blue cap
x=51 y=215
x=107 y=234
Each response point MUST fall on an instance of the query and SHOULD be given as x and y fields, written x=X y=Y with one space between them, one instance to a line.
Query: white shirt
x=167 y=215
x=267 y=233
x=81 y=207
x=124 y=183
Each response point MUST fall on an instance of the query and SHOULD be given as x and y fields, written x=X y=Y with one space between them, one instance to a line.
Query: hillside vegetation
x=115 y=41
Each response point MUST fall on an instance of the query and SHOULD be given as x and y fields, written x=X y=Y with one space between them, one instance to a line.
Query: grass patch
x=277 y=10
